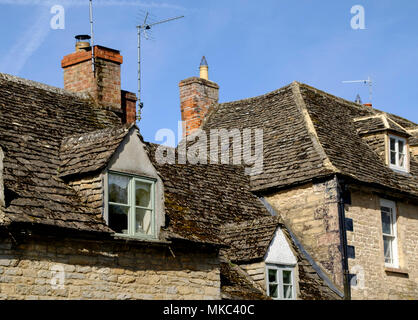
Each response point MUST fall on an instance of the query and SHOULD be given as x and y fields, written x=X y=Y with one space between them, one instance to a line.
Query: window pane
x=392 y=144
x=393 y=157
x=386 y=220
x=118 y=189
x=400 y=146
x=118 y=218
x=143 y=221
x=401 y=160
x=387 y=243
x=287 y=277
x=273 y=290
x=287 y=292
x=143 y=194
x=272 y=275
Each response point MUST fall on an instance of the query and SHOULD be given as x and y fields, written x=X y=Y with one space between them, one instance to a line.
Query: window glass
x=142 y=194
x=287 y=277
x=118 y=189
x=397 y=154
x=287 y=292
x=393 y=157
x=130 y=205
x=387 y=244
x=388 y=214
x=143 y=221
x=274 y=290
x=386 y=221
x=272 y=275
x=118 y=218
x=392 y=144
x=280 y=282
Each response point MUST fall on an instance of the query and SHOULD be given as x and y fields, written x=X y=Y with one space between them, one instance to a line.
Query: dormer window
x=130 y=206
x=398 y=157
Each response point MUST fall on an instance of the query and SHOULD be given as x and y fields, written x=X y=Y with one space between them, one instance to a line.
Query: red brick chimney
x=104 y=84
x=197 y=96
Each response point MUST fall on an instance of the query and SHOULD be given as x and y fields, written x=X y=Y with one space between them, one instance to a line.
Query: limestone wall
x=374 y=281
x=69 y=269
x=311 y=212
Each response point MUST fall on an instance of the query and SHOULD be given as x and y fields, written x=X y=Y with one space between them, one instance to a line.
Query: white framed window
x=131 y=205
x=388 y=214
x=280 y=282
x=398 y=157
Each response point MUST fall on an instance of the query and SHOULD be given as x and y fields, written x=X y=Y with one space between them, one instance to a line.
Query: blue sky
x=252 y=47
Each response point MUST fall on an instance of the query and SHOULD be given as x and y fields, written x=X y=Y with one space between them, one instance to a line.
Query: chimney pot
x=204 y=69
x=81 y=43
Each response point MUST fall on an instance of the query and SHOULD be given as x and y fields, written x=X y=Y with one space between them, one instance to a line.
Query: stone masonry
x=74 y=269
x=374 y=281
x=311 y=212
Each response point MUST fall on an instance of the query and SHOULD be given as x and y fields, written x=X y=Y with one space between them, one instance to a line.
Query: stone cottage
x=342 y=176
x=86 y=211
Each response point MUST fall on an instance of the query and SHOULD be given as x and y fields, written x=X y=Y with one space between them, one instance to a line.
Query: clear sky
x=252 y=47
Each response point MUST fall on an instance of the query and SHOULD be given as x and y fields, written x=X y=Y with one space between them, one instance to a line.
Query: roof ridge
x=93 y=134
x=43 y=86
x=395 y=122
x=258 y=97
x=300 y=103
x=342 y=100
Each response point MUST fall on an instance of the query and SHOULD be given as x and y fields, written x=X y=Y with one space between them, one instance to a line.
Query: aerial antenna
x=369 y=82
x=143 y=29
x=93 y=65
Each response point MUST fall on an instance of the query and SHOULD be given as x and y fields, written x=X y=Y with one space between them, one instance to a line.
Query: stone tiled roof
x=312 y=134
x=236 y=284
x=250 y=239
x=378 y=123
x=199 y=199
x=34 y=118
x=90 y=152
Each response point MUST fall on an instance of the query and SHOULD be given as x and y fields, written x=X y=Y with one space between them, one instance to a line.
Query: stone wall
x=374 y=281
x=311 y=212
x=257 y=271
x=377 y=142
x=73 y=269
x=90 y=190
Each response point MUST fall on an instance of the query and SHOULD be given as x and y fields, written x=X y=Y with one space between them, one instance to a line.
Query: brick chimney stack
x=103 y=85
x=197 y=96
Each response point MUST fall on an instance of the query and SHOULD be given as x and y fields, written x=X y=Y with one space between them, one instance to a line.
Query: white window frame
x=132 y=206
x=396 y=166
x=394 y=247
x=279 y=276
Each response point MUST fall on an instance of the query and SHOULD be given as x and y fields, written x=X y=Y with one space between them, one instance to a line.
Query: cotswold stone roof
x=236 y=284
x=199 y=199
x=214 y=203
x=90 y=152
x=312 y=134
x=250 y=239
x=34 y=118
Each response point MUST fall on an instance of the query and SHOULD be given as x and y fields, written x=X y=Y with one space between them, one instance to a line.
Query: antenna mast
x=143 y=28
x=369 y=82
x=93 y=65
